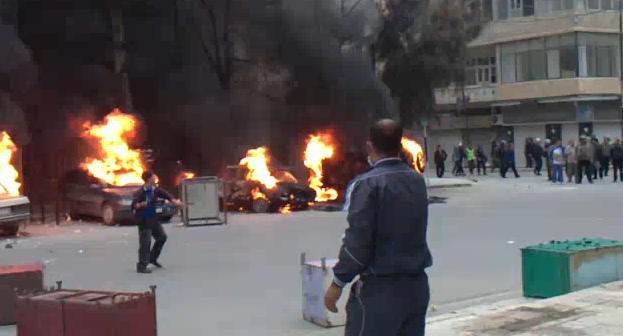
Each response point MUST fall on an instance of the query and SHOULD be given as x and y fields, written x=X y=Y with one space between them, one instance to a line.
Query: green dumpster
x=561 y=267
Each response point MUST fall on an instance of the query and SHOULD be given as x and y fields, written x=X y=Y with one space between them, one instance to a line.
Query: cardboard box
x=317 y=276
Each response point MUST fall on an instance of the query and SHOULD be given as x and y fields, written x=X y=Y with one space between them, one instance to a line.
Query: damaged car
x=86 y=195
x=243 y=194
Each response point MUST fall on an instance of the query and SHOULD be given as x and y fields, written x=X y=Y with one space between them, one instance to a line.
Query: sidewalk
x=594 y=311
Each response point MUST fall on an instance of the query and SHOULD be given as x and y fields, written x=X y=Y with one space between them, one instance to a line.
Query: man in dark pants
x=144 y=206
x=616 y=154
x=537 y=155
x=385 y=244
x=584 y=153
x=440 y=161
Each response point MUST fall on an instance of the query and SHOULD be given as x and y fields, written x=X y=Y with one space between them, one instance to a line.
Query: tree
x=420 y=49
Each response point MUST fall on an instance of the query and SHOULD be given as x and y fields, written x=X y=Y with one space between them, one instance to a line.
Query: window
x=555 y=5
x=568 y=62
x=528 y=7
x=598 y=55
x=508 y=68
x=602 y=5
x=593 y=4
x=503 y=9
x=553 y=63
x=567 y=4
x=480 y=71
x=606 y=5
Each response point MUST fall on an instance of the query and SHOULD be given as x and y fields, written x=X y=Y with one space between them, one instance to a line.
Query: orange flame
x=120 y=165
x=8 y=173
x=319 y=148
x=416 y=152
x=257 y=162
x=182 y=176
x=285 y=209
x=256 y=193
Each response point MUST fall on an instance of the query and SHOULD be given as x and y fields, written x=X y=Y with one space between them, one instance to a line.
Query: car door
x=74 y=190
x=94 y=196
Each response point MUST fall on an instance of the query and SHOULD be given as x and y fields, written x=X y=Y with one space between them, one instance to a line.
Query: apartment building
x=539 y=68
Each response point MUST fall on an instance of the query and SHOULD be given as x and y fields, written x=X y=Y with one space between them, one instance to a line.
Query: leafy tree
x=421 y=48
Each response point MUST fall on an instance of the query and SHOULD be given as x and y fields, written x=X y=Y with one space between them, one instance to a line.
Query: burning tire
x=260 y=205
x=108 y=214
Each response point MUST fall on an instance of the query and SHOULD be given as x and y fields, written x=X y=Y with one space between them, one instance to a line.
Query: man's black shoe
x=157 y=264
x=143 y=270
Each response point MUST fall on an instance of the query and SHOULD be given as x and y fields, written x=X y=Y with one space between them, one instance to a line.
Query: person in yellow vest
x=471 y=158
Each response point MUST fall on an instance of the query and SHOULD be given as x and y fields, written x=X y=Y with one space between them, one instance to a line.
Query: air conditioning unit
x=497 y=119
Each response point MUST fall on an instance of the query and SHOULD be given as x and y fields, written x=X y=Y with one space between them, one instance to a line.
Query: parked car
x=86 y=195
x=288 y=191
x=14 y=210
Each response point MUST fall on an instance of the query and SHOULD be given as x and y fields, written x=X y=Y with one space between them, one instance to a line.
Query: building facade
x=539 y=68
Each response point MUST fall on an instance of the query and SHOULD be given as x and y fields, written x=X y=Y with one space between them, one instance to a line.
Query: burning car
x=86 y=195
x=14 y=208
x=287 y=193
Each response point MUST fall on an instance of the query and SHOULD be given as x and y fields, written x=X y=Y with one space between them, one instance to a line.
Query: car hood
x=123 y=192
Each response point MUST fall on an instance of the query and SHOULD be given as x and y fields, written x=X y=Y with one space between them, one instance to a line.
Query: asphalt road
x=243 y=278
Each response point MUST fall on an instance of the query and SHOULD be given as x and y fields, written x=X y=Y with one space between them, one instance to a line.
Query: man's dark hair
x=147 y=175
x=386 y=136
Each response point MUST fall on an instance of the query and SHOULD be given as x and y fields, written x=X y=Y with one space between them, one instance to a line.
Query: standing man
x=584 y=154
x=604 y=162
x=440 y=161
x=570 y=160
x=385 y=244
x=558 y=158
x=481 y=160
x=471 y=158
x=495 y=158
x=528 y=152
x=144 y=207
x=537 y=154
x=616 y=154
x=547 y=155
x=596 y=159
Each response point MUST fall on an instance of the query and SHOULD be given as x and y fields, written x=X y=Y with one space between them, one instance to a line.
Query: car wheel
x=260 y=205
x=71 y=210
x=108 y=214
x=11 y=229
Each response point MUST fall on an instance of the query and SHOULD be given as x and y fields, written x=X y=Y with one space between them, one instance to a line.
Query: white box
x=317 y=277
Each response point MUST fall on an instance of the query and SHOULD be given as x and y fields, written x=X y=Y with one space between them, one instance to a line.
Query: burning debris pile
x=8 y=173
x=118 y=164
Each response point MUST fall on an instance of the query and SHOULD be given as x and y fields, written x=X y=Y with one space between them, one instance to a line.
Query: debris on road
x=436 y=199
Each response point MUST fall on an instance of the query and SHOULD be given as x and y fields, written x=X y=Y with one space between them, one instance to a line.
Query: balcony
x=474 y=94
x=558 y=88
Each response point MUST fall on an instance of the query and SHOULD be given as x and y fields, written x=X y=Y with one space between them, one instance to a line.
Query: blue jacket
x=387 y=222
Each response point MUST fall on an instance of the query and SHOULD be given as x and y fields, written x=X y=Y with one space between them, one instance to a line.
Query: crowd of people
x=570 y=162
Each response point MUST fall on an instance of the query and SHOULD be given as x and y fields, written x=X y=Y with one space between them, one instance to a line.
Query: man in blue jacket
x=144 y=207
x=385 y=244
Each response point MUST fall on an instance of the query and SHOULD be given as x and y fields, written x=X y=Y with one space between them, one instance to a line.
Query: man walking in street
x=604 y=161
x=495 y=155
x=528 y=152
x=509 y=161
x=440 y=161
x=584 y=154
x=616 y=154
x=481 y=160
x=144 y=207
x=557 y=158
x=385 y=244
x=570 y=159
x=457 y=156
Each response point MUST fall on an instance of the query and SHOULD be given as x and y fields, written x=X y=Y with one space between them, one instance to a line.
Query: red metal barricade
x=62 y=312
x=17 y=278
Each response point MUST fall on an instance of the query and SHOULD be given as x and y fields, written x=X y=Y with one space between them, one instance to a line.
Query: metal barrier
x=206 y=200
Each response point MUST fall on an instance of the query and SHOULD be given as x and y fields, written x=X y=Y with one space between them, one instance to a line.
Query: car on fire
x=86 y=195
x=14 y=210
x=242 y=193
